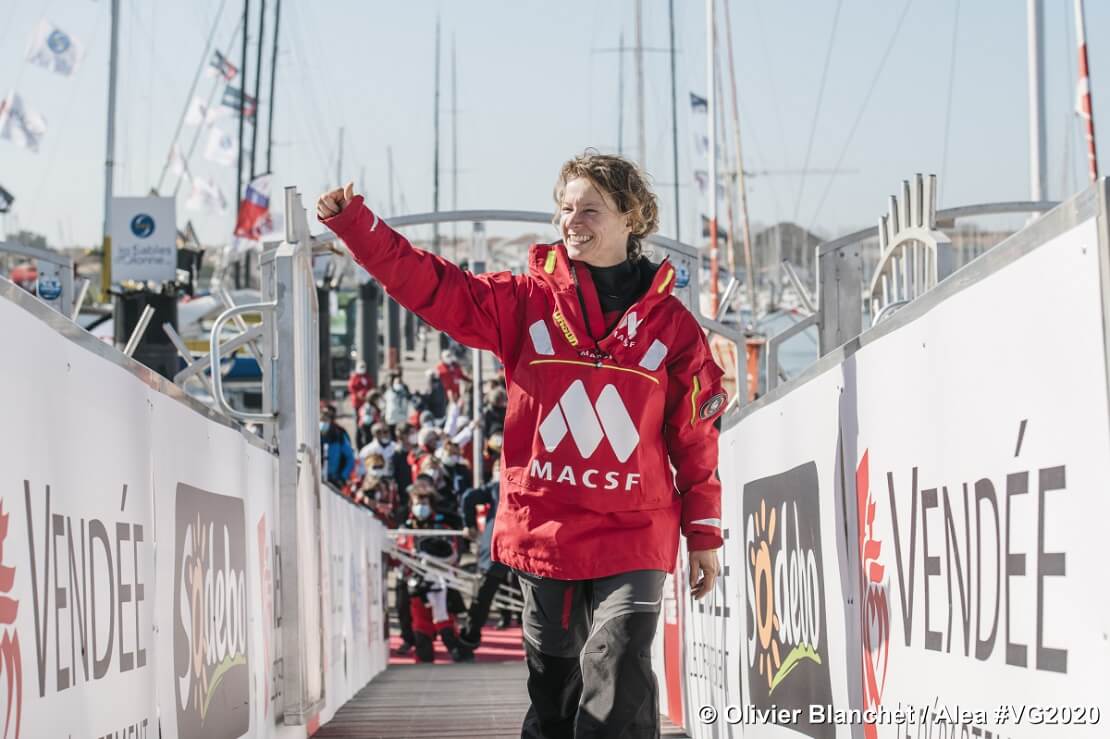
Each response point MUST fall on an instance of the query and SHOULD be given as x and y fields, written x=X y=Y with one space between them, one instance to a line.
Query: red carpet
x=497 y=646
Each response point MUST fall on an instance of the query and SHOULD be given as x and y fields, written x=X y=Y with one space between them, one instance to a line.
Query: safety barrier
x=914 y=526
x=141 y=576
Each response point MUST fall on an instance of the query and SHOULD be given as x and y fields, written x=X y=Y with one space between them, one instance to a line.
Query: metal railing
x=915 y=255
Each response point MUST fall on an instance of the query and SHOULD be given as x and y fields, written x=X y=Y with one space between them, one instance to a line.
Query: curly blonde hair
x=625 y=183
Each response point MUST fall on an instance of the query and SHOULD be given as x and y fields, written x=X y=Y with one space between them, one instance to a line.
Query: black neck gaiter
x=618 y=286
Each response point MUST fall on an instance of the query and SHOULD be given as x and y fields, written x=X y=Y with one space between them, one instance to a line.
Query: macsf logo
x=588 y=423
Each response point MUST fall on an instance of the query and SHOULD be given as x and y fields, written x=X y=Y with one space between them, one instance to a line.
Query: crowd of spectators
x=410 y=464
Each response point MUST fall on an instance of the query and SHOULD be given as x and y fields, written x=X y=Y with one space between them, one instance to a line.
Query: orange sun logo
x=767 y=621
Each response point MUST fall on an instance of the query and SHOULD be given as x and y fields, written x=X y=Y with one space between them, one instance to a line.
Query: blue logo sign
x=58 y=42
x=49 y=288
x=142 y=226
x=682 y=276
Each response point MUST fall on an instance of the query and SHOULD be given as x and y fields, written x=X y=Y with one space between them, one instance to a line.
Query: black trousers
x=492 y=579
x=588 y=647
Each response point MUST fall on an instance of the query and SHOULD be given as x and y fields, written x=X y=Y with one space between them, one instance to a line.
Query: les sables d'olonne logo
x=212 y=677
x=788 y=660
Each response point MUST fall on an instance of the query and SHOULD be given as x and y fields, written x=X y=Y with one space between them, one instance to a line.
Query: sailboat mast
x=1038 y=161
x=674 y=127
x=242 y=108
x=711 y=104
x=273 y=78
x=454 y=150
x=741 y=190
x=257 y=83
x=641 y=136
x=435 y=165
x=620 y=96
x=110 y=154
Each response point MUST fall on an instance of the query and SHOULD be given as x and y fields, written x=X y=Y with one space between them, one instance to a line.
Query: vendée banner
x=140 y=590
x=913 y=537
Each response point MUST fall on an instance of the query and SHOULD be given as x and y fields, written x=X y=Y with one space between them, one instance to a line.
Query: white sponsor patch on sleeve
x=541 y=338
x=654 y=356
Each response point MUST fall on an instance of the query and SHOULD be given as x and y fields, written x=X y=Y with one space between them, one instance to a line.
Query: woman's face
x=593 y=231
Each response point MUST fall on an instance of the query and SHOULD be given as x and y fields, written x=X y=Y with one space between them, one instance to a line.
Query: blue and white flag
x=200 y=113
x=19 y=124
x=221 y=148
x=6 y=200
x=206 y=196
x=54 y=49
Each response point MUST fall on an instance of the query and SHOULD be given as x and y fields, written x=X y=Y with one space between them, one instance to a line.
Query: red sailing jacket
x=593 y=426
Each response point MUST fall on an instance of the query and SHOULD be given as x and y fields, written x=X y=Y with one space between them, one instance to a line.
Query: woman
x=611 y=384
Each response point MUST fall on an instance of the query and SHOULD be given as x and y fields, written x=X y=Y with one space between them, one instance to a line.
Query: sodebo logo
x=588 y=423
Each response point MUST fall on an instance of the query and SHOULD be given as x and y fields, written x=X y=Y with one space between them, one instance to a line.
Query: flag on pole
x=200 y=113
x=178 y=165
x=222 y=66
x=20 y=125
x=54 y=49
x=206 y=196
x=221 y=148
x=236 y=100
x=698 y=104
x=6 y=200
x=1083 y=103
x=254 y=213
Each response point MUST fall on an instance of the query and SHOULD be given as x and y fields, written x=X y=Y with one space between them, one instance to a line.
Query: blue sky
x=534 y=88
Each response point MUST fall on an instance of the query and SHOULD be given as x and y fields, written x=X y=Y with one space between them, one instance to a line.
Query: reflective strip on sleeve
x=714 y=522
x=694 y=392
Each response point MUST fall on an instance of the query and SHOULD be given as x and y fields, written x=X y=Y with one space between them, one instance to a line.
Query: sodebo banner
x=922 y=524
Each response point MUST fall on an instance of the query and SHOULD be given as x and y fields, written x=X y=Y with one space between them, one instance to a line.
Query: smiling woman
x=610 y=448
x=605 y=209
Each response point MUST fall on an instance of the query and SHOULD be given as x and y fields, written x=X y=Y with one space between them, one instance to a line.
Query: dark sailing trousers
x=588 y=647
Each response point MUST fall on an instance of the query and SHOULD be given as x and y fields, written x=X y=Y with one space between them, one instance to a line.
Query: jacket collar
x=550 y=264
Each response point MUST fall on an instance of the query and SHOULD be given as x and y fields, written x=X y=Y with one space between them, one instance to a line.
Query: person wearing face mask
x=455 y=470
x=380 y=491
x=336 y=449
x=431 y=603
x=381 y=443
x=451 y=375
x=610 y=443
x=397 y=398
x=359 y=385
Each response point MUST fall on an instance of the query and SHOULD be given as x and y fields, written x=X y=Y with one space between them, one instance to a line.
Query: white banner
x=140 y=591
x=964 y=464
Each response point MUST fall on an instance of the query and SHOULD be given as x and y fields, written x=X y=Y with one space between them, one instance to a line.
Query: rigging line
x=201 y=127
x=768 y=70
x=862 y=109
x=817 y=108
x=948 y=104
x=189 y=95
x=56 y=146
x=150 y=89
x=309 y=89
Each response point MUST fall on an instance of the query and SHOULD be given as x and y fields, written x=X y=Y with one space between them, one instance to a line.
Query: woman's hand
x=704 y=567
x=332 y=203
